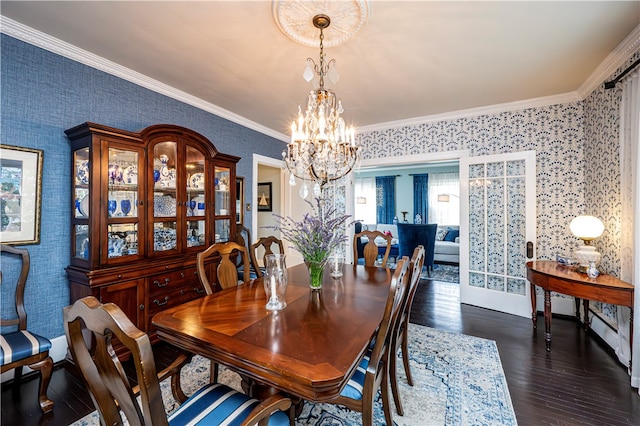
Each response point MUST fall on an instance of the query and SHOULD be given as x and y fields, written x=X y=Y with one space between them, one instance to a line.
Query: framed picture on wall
x=20 y=195
x=265 y=202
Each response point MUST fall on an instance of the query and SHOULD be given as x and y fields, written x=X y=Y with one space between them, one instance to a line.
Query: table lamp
x=587 y=228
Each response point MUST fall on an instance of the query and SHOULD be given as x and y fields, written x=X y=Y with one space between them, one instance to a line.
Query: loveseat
x=447 y=247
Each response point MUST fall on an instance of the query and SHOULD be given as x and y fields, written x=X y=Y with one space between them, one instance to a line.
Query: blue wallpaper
x=43 y=94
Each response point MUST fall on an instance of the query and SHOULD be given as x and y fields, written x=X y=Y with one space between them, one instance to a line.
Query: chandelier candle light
x=322 y=147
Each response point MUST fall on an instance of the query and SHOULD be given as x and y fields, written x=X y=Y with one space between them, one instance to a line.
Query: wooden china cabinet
x=144 y=205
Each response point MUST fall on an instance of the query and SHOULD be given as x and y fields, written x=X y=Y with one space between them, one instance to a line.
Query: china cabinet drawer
x=174 y=298
x=169 y=281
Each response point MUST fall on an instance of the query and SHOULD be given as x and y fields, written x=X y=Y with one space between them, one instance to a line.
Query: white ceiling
x=410 y=61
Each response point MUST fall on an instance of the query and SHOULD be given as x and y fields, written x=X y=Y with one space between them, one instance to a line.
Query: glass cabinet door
x=165 y=198
x=123 y=213
x=81 y=179
x=223 y=203
x=196 y=199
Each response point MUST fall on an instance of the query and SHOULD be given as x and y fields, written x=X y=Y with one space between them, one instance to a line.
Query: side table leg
x=547 y=319
x=585 y=305
x=577 y=302
x=534 y=311
x=630 y=336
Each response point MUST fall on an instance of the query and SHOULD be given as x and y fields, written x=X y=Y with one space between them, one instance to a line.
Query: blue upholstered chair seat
x=216 y=404
x=20 y=345
x=355 y=385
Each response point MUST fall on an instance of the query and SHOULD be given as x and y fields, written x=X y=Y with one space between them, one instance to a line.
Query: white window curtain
x=365 y=192
x=444 y=187
x=630 y=235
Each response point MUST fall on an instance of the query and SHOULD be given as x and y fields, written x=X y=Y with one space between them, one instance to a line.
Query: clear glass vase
x=316 y=273
x=275 y=282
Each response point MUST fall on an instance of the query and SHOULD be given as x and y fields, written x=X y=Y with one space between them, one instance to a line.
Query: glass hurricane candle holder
x=275 y=282
x=336 y=265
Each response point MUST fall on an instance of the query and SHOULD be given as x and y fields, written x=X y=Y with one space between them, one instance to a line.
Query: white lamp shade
x=586 y=227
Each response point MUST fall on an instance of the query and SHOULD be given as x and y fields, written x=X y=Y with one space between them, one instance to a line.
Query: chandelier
x=322 y=147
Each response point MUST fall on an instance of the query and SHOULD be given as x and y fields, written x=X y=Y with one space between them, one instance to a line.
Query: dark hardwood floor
x=578 y=383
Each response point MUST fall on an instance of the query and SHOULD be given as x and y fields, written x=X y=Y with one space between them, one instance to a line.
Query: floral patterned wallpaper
x=555 y=132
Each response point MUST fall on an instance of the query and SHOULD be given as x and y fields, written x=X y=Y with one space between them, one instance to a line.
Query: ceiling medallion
x=294 y=19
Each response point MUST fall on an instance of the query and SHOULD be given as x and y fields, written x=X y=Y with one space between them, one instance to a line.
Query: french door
x=498 y=230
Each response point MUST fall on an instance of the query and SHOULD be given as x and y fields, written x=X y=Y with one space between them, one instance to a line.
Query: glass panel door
x=497 y=221
x=222 y=204
x=81 y=171
x=195 y=208
x=165 y=198
x=122 y=203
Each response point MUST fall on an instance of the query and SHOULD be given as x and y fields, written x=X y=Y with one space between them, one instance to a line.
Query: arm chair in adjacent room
x=372 y=373
x=267 y=243
x=411 y=236
x=226 y=274
x=370 y=249
x=19 y=346
x=400 y=335
x=112 y=392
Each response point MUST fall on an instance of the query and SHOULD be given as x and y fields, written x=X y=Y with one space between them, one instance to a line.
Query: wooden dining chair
x=400 y=334
x=372 y=373
x=112 y=392
x=243 y=237
x=370 y=249
x=226 y=272
x=18 y=345
x=267 y=244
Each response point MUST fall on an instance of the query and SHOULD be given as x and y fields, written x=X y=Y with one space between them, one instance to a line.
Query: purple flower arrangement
x=317 y=235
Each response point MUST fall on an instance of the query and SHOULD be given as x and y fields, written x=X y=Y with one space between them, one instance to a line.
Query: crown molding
x=39 y=39
x=475 y=112
x=615 y=60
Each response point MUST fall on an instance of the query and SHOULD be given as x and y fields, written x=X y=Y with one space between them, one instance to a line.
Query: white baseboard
x=57 y=352
x=566 y=306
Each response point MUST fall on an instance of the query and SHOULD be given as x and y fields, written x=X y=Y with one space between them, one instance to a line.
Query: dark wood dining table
x=309 y=349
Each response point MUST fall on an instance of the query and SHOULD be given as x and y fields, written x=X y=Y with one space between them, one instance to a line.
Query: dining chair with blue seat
x=372 y=373
x=400 y=334
x=112 y=393
x=412 y=235
x=20 y=347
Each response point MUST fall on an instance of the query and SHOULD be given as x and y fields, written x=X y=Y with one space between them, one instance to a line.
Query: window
x=365 y=192
x=444 y=198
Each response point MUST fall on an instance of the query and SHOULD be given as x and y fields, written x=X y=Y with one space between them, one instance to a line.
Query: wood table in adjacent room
x=309 y=349
x=551 y=276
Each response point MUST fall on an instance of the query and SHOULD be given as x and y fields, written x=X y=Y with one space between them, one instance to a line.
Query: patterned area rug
x=448 y=273
x=458 y=380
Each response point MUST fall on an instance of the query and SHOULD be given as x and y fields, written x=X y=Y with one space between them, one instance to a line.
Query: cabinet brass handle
x=166 y=283
x=142 y=306
x=198 y=290
x=159 y=303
